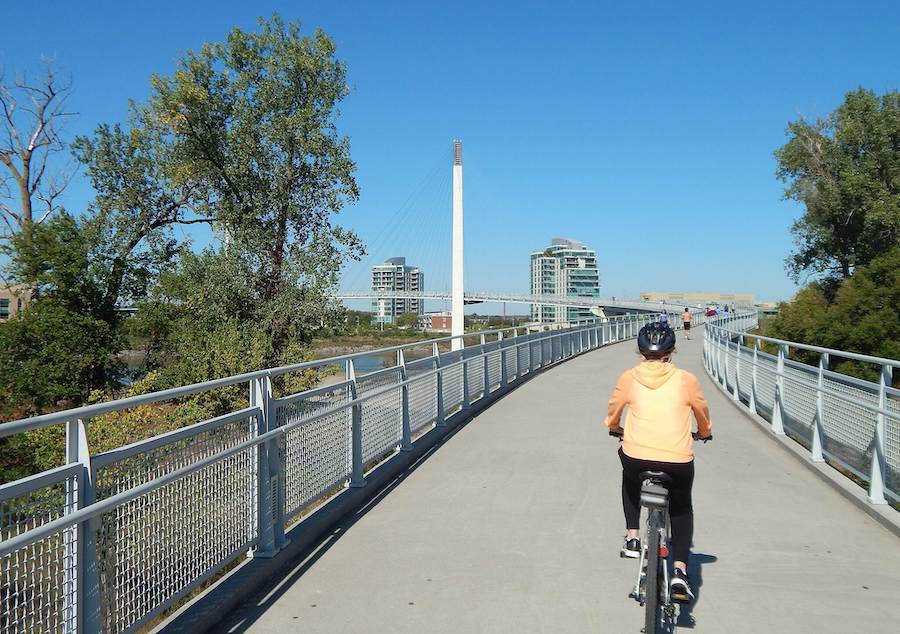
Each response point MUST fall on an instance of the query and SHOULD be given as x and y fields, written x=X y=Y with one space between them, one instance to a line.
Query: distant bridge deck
x=514 y=523
x=511 y=298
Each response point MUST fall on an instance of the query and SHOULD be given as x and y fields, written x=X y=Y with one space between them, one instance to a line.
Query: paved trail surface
x=514 y=525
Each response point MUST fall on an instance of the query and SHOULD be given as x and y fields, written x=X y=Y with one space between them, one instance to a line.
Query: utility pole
x=457 y=325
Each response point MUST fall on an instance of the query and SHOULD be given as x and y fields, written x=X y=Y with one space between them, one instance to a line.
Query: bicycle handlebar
x=618 y=433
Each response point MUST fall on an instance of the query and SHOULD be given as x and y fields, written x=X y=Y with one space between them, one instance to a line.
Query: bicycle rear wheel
x=652 y=608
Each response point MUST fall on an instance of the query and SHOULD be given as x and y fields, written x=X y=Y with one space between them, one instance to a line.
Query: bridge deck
x=514 y=525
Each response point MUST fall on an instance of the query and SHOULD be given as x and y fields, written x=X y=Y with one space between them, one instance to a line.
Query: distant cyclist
x=657 y=437
x=686 y=318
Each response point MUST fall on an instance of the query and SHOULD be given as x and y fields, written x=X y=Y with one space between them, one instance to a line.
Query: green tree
x=863 y=316
x=408 y=320
x=252 y=121
x=53 y=356
x=845 y=170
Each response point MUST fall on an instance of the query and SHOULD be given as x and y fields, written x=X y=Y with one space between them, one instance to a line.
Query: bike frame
x=664 y=537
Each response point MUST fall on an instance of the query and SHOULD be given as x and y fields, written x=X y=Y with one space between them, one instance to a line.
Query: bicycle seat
x=654 y=488
x=656 y=477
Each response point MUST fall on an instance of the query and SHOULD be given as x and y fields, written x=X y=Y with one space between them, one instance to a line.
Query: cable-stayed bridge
x=611 y=306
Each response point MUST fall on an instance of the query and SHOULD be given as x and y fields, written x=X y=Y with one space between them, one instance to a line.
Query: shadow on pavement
x=695 y=572
x=250 y=610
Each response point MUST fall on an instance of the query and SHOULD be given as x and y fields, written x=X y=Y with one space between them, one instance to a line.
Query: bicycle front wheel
x=652 y=608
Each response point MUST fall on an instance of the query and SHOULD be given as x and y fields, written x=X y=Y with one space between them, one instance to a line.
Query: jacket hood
x=653 y=374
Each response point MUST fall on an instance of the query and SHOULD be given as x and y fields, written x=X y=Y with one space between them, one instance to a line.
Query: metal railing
x=850 y=423
x=109 y=541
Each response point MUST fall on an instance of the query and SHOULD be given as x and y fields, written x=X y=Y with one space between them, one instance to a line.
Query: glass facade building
x=568 y=268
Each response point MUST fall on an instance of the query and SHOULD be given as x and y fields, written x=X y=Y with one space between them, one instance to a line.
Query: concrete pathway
x=514 y=525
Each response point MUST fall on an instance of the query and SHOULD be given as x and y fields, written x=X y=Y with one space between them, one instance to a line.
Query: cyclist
x=686 y=318
x=657 y=437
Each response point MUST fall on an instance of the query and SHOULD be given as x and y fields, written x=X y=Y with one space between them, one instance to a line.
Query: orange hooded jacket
x=660 y=399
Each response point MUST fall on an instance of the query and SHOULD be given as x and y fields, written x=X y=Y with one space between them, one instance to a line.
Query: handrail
x=804 y=403
x=844 y=354
x=250 y=470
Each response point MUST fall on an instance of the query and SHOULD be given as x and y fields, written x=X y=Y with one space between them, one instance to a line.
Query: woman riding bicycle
x=657 y=437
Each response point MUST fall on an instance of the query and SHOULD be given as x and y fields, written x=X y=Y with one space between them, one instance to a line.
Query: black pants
x=681 y=511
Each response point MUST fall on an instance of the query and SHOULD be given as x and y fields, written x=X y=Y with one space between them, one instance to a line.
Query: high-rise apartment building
x=567 y=268
x=396 y=275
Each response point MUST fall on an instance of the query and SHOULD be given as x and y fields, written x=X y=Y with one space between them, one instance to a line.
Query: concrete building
x=567 y=268
x=694 y=299
x=396 y=275
x=13 y=299
x=437 y=322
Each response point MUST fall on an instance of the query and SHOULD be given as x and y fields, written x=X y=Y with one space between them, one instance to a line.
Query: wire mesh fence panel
x=524 y=352
x=317 y=455
x=730 y=365
x=799 y=399
x=892 y=443
x=745 y=374
x=37 y=581
x=493 y=365
x=511 y=354
x=474 y=372
x=422 y=393
x=849 y=429
x=382 y=416
x=766 y=367
x=451 y=380
x=536 y=349
x=160 y=545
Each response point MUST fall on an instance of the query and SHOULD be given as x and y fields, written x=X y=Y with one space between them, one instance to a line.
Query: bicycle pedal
x=680 y=597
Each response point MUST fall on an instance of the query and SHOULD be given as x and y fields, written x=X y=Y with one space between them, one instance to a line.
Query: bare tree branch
x=36 y=112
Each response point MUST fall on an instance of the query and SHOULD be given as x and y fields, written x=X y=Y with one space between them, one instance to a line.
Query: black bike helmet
x=656 y=340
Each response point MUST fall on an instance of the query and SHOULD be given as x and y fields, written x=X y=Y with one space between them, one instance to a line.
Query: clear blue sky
x=646 y=131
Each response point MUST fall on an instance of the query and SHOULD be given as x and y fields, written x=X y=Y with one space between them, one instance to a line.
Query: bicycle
x=658 y=604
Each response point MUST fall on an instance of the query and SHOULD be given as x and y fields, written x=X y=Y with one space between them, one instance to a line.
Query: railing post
x=737 y=368
x=819 y=420
x=504 y=373
x=81 y=579
x=465 y=381
x=877 y=477
x=516 y=352
x=357 y=479
x=406 y=432
x=484 y=365
x=266 y=471
x=438 y=386
x=722 y=369
x=778 y=409
x=752 y=403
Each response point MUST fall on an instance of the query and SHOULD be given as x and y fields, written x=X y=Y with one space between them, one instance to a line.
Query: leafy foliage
x=53 y=355
x=408 y=320
x=252 y=122
x=243 y=136
x=845 y=169
x=863 y=317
